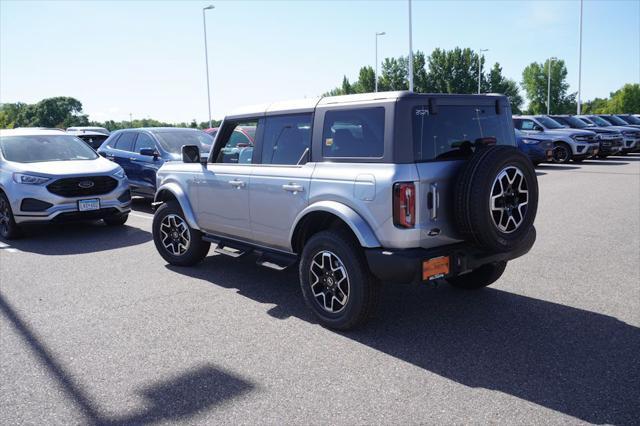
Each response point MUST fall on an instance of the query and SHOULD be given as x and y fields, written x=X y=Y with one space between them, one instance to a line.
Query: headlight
x=530 y=141
x=119 y=173
x=29 y=179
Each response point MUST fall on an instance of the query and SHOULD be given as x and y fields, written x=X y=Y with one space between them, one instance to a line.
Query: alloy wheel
x=509 y=199
x=175 y=235
x=561 y=154
x=329 y=281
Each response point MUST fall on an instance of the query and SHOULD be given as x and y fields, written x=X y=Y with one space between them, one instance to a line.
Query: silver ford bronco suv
x=357 y=190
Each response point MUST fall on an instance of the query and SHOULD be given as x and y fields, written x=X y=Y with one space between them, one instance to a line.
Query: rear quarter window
x=455 y=132
x=353 y=133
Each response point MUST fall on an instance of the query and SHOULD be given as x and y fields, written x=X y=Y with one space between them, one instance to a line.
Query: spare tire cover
x=496 y=198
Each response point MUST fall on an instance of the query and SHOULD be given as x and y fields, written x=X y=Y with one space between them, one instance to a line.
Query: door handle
x=292 y=187
x=237 y=183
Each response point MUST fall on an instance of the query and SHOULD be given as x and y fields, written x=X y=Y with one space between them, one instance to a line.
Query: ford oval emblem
x=86 y=184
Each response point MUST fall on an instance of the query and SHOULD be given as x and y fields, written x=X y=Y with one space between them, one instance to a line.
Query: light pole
x=580 y=63
x=410 y=52
x=206 y=58
x=553 y=58
x=480 y=68
x=377 y=34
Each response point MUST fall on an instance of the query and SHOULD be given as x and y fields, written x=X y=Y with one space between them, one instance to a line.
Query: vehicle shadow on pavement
x=604 y=163
x=78 y=238
x=627 y=157
x=143 y=205
x=174 y=399
x=556 y=167
x=577 y=362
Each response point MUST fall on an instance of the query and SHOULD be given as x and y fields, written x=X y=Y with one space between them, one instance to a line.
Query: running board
x=276 y=261
x=228 y=248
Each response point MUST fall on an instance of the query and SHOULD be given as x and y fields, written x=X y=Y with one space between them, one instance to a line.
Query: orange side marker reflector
x=435 y=268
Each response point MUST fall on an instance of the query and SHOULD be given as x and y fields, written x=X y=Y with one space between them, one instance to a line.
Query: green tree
x=497 y=83
x=535 y=80
x=625 y=100
x=453 y=71
x=394 y=75
x=366 y=81
x=60 y=111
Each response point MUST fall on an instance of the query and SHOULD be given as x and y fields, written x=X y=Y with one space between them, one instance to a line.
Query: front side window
x=287 y=139
x=125 y=142
x=237 y=142
x=35 y=149
x=528 y=125
x=455 y=131
x=172 y=141
x=353 y=133
x=144 y=141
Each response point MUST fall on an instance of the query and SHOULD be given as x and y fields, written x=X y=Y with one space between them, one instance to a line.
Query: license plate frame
x=436 y=267
x=89 y=205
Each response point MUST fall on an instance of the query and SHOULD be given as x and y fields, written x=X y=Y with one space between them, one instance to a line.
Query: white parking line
x=7 y=248
x=143 y=216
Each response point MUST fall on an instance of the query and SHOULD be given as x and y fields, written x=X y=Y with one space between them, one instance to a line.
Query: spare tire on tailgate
x=496 y=198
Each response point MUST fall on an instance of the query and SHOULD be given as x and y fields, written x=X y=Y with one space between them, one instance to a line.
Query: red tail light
x=404 y=204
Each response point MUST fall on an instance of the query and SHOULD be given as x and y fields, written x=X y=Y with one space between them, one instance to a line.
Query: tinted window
x=34 y=149
x=353 y=133
x=286 y=138
x=173 y=140
x=237 y=142
x=599 y=121
x=144 y=141
x=456 y=130
x=574 y=122
x=549 y=123
x=125 y=143
x=631 y=119
x=527 y=125
x=616 y=121
x=92 y=140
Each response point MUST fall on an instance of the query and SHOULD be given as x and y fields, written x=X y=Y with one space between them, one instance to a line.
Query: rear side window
x=457 y=130
x=353 y=133
x=125 y=142
x=286 y=139
x=144 y=141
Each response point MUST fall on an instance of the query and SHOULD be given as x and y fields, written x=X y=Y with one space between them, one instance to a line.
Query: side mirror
x=537 y=128
x=149 y=152
x=190 y=154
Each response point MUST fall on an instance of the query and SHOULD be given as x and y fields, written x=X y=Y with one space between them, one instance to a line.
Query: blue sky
x=147 y=58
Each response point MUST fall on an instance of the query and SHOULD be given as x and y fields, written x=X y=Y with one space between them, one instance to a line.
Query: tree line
x=456 y=71
x=444 y=71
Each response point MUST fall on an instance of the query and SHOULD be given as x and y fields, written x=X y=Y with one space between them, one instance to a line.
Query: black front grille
x=83 y=186
x=33 y=205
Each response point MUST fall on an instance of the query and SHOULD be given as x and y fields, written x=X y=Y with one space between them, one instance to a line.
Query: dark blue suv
x=538 y=148
x=141 y=152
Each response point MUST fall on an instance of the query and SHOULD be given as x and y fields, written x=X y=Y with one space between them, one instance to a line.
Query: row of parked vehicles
x=355 y=190
x=565 y=138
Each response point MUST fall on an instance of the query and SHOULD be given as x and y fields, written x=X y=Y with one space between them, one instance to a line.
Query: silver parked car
x=50 y=176
x=569 y=144
x=358 y=190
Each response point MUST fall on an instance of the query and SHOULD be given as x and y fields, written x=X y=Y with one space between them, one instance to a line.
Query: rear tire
x=116 y=219
x=480 y=277
x=9 y=230
x=336 y=282
x=177 y=242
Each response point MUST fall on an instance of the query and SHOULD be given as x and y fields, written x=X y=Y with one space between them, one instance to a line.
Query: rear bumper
x=405 y=266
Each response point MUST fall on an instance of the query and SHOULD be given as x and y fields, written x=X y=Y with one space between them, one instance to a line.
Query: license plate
x=435 y=268
x=88 y=205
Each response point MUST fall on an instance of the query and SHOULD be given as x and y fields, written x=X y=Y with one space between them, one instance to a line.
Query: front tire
x=177 y=242
x=480 y=277
x=336 y=282
x=561 y=153
x=9 y=230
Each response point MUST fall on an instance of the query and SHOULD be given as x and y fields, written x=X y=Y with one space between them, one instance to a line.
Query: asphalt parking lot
x=96 y=328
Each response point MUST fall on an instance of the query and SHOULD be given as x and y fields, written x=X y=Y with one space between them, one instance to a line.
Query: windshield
x=576 y=123
x=35 y=149
x=630 y=119
x=456 y=130
x=599 y=121
x=615 y=120
x=173 y=141
x=549 y=123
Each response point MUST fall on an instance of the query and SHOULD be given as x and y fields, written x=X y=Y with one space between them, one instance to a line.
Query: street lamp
x=580 y=64
x=553 y=58
x=377 y=34
x=480 y=68
x=206 y=58
x=410 y=52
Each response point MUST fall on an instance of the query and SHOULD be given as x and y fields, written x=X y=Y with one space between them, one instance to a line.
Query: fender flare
x=358 y=225
x=175 y=190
